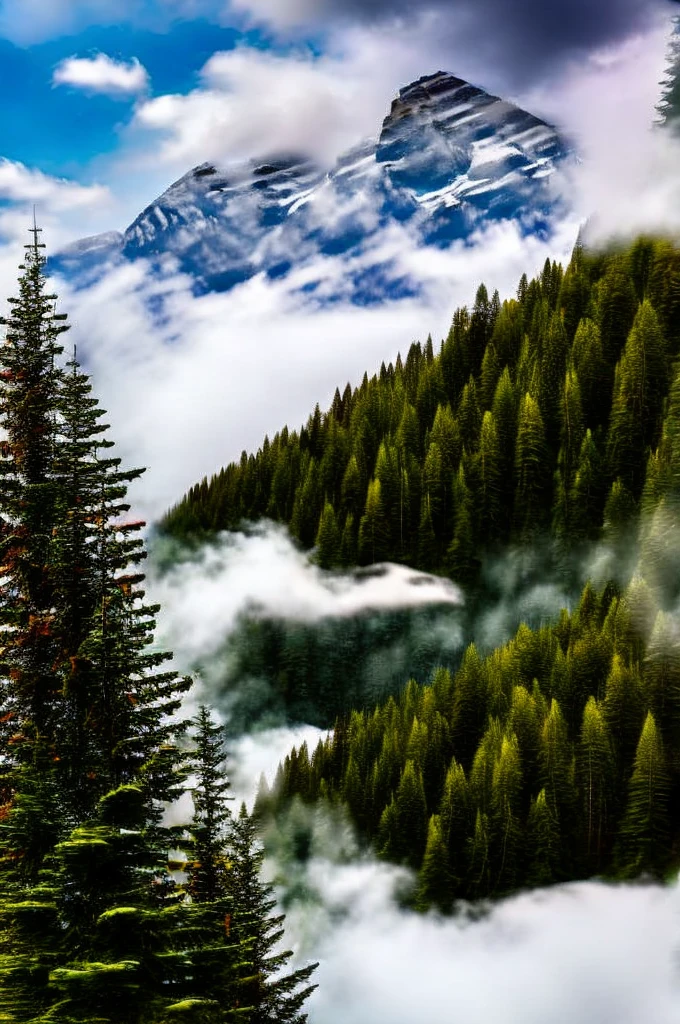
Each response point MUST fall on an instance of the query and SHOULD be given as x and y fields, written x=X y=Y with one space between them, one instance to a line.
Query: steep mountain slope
x=535 y=416
x=448 y=156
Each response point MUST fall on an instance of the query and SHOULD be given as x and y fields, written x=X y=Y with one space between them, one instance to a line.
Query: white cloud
x=19 y=183
x=187 y=395
x=264 y=573
x=253 y=102
x=65 y=210
x=102 y=74
x=585 y=952
x=627 y=181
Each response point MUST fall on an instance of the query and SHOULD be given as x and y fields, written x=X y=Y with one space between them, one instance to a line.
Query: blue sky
x=62 y=128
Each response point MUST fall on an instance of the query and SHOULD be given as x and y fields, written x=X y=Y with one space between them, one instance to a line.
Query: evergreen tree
x=275 y=997
x=645 y=828
x=490 y=478
x=639 y=387
x=328 y=538
x=543 y=843
x=29 y=388
x=595 y=769
x=434 y=879
x=373 y=530
x=669 y=105
x=96 y=928
x=219 y=963
x=207 y=870
x=506 y=794
x=530 y=470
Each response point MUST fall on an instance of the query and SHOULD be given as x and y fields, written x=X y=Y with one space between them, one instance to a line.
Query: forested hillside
x=557 y=756
x=537 y=415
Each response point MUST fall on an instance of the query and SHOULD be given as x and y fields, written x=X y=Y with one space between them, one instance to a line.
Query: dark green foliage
x=640 y=384
x=520 y=769
x=274 y=998
x=434 y=881
x=96 y=930
x=645 y=831
x=235 y=973
x=207 y=870
x=524 y=422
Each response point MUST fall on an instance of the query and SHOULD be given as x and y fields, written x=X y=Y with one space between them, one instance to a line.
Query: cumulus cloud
x=102 y=74
x=19 y=183
x=253 y=102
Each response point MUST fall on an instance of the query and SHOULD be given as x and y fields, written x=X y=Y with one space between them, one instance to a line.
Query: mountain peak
x=449 y=155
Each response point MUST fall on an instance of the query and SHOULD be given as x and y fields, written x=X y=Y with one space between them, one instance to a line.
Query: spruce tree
x=219 y=961
x=643 y=842
x=29 y=387
x=96 y=929
x=274 y=998
x=668 y=107
x=434 y=879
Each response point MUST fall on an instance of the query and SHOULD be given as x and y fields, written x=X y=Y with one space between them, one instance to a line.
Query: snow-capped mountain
x=448 y=157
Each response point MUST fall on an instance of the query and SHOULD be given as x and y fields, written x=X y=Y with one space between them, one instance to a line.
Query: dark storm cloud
x=548 y=23
x=527 y=37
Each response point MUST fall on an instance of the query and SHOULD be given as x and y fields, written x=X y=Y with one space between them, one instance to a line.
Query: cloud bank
x=21 y=184
x=102 y=74
x=584 y=952
x=253 y=102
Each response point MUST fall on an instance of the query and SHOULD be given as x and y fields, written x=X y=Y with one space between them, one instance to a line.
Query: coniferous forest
x=418 y=744
x=549 y=419
x=108 y=914
x=552 y=418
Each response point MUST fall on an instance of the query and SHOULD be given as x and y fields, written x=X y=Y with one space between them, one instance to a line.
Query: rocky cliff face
x=448 y=156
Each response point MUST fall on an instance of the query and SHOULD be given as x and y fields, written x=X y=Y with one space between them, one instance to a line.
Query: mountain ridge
x=448 y=156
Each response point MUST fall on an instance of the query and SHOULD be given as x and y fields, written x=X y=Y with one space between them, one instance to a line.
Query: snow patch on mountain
x=448 y=156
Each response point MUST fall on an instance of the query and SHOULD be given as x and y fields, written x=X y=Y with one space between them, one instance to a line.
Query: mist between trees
x=553 y=415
